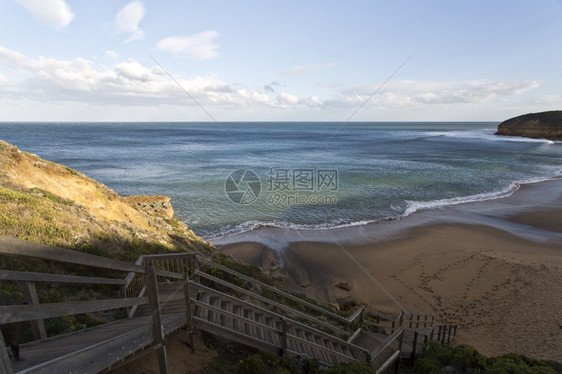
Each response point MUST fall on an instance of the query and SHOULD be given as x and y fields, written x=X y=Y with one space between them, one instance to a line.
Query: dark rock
x=343 y=285
x=544 y=125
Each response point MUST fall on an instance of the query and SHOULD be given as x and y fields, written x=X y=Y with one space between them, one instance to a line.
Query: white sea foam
x=486 y=134
x=412 y=207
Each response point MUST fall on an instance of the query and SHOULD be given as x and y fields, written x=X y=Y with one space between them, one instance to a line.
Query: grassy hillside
x=52 y=204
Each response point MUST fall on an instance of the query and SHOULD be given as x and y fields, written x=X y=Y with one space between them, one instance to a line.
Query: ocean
x=234 y=177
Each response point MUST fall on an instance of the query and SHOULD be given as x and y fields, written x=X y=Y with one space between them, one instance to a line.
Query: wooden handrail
x=278 y=316
x=20 y=276
x=395 y=335
x=317 y=346
x=275 y=290
x=235 y=316
x=21 y=313
x=269 y=301
x=290 y=322
x=18 y=247
x=354 y=335
x=356 y=314
x=169 y=256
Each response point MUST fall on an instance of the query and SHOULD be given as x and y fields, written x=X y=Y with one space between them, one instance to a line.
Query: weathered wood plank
x=5 y=364
x=188 y=314
x=20 y=276
x=211 y=328
x=30 y=296
x=168 y=274
x=157 y=327
x=169 y=256
x=18 y=247
x=276 y=316
x=94 y=358
x=391 y=339
x=236 y=317
x=20 y=313
x=308 y=343
x=276 y=290
x=271 y=302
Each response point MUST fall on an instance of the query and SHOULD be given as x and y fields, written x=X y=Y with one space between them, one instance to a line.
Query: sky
x=214 y=60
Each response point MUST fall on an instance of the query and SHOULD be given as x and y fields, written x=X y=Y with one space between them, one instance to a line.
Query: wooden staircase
x=162 y=293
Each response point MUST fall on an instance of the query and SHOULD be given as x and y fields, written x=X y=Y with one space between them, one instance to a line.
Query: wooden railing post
x=158 y=328
x=362 y=319
x=5 y=364
x=283 y=336
x=400 y=350
x=189 y=317
x=414 y=346
x=368 y=357
x=30 y=296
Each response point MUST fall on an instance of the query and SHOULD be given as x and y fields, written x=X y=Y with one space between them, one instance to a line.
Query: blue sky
x=72 y=60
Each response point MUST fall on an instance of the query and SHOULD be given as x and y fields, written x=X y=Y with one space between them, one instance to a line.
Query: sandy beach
x=493 y=267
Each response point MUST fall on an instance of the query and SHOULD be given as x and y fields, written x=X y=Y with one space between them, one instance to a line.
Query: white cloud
x=127 y=20
x=299 y=70
x=52 y=13
x=126 y=84
x=200 y=46
x=286 y=99
x=403 y=93
x=132 y=88
x=111 y=53
x=134 y=71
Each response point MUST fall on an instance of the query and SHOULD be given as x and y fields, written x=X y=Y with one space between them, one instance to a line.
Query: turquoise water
x=299 y=174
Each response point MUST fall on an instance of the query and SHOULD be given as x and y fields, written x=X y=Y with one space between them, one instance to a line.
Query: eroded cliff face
x=44 y=201
x=544 y=125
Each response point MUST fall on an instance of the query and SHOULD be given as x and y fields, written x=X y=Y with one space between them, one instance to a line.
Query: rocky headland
x=544 y=125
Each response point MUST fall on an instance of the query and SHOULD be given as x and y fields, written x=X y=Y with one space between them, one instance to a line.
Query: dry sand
x=504 y=291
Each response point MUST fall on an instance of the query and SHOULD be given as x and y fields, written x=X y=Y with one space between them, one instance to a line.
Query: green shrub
x=465 y=356
x=267 y=362
x=252 y=365
x=466 y=359
x=351 y=368
x=516 y=363
x=310 y=366
x=427 y=365
x=442 y=353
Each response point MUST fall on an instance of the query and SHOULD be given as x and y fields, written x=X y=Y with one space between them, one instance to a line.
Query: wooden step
x=228 y=321
x=201 y=311
x=236 y=325
x=249 y=328
x=261 y=333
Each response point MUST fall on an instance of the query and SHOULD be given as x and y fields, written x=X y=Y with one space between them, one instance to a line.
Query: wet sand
x=494 y=267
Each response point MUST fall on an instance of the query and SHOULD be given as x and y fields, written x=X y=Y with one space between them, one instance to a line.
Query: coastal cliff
x=50 y=203
x=544 y=125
